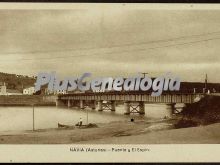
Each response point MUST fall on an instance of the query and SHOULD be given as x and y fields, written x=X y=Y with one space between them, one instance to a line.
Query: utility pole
x=206 y=81
x=87 y=116
x=33 y=117
x=144 y=73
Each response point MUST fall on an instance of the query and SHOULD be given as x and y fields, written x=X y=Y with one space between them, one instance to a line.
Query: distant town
x=12 y=84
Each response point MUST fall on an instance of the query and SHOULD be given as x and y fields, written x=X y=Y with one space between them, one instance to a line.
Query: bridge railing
x=167 y=97
x=131 y=92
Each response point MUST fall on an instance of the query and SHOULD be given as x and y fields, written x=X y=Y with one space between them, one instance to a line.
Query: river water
x=21 y=118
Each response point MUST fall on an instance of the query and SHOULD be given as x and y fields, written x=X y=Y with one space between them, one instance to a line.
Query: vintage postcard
x=109 y=82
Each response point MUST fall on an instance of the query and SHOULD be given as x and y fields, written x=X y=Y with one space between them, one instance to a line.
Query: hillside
x=18 y=82
x=204 y=112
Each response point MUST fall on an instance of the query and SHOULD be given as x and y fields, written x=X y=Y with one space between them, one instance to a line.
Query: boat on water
x=64 y=126
x=90 y=125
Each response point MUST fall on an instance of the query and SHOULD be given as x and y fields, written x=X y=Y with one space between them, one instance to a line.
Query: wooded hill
x=18 y=82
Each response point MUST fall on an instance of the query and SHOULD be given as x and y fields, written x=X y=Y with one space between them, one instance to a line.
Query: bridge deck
x=132 y=97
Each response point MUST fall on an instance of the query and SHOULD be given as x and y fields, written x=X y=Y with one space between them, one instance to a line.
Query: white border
x=62 y=153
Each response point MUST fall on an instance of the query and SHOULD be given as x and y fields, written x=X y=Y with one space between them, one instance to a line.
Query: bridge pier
x=113 y=105
x=134 y=108
x=141 y=108
x=69 y=103
x=100 y=105
x=127 y=108
x=59 y=103
x=170 y=108
x=179 y=108
x=81 y=104
x=93 y=104
x=106 y=106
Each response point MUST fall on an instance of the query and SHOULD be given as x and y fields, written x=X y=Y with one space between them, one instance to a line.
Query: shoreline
x=74 y=127
x=24 y=100
x=68 y=135
x=209 y=134
x=27 y=105
x=121 y=132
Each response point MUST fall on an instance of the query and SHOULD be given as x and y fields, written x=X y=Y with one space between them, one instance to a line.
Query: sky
x=111 y=42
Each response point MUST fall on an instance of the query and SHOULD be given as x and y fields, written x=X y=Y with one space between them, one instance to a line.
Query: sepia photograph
x=112 y=74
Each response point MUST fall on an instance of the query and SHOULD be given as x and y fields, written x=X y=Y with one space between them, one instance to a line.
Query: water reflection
x=21 y=118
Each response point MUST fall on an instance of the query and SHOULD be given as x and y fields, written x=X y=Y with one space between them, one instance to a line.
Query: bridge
x=133 y=101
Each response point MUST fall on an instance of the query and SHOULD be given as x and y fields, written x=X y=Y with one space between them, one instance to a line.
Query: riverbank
x=138 y=132
x=25 y=100
x=204 y=112
x=209 y=134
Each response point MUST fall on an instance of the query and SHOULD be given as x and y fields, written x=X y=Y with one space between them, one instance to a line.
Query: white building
x=5 y=91
x=13 y=92
x=60 y=92
x=29 y=91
